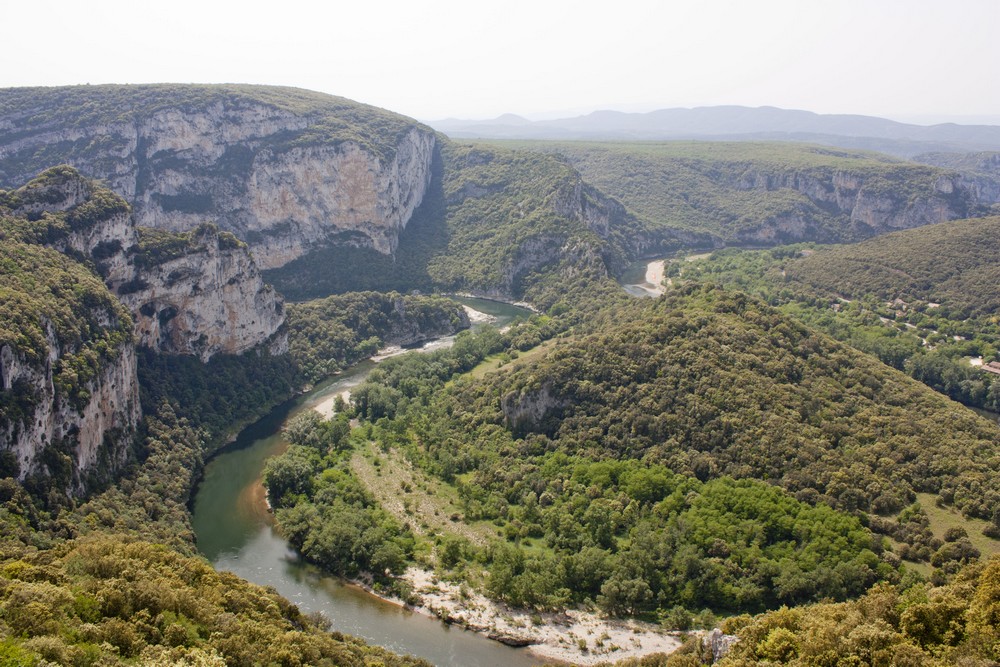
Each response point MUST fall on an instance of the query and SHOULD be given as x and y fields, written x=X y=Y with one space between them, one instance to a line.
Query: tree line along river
x=235 y=532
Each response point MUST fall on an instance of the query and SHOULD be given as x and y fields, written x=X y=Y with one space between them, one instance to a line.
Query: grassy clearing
x=430 y=506
x=943 y=518
x=501 y=362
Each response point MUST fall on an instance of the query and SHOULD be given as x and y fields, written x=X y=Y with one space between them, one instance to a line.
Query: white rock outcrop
x=95 y=437
x=209 y=300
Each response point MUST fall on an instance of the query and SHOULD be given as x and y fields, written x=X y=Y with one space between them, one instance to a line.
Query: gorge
x=738 y=442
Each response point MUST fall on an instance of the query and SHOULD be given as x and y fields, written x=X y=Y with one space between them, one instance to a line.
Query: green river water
x=235 y=532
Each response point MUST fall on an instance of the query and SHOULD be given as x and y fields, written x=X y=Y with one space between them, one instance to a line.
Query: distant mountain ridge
x=737 y=123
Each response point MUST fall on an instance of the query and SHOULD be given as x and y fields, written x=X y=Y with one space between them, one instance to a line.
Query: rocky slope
x=204 y=296
x=980 y=171
x=767 y=193
x=285 y=170
x=512 y=214
x=197 y=292
x=69 y=403
x=866 y=206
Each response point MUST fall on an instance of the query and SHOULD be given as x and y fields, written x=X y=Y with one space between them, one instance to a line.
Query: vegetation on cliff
x=320 y=118
x=51 y=304
x=732 y=190
x=327 y=335
x=493 y=221
x=158 y=246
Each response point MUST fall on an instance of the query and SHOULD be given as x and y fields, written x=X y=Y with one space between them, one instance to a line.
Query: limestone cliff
x=283 y=169
x=69 y=403
x=203 y=298
x=980 y=171
x=513 y=214
x=416 y=319
x=197 y=292
x=69 y=400
x=58 y=438
x=762 y=193
x=863 y=202
x=530 y=409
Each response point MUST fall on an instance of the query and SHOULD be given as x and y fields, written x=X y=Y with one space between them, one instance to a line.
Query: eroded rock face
x=305 y=198
x=70 y=405
x=870 y=210
x=527 y=411
x=275 y=175
x=59 y=437
x=211 y=299
x=198 y=292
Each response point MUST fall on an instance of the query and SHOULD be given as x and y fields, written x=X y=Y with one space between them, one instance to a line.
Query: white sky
x=909 y=59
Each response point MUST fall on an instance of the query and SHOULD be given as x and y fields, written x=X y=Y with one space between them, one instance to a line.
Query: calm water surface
x=235 y=533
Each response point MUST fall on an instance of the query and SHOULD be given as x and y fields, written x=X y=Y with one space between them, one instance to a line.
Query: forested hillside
x=752 y=442
x=923 y=300
x=951 y=264
x=767 y=193
x=604 y=463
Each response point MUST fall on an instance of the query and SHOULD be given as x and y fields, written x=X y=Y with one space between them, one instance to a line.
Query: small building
x=992 y=367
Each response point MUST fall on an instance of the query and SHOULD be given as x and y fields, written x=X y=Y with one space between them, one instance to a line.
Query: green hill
x=953 y=264
x=923 y=300
x=710 y=382
x=646 y=443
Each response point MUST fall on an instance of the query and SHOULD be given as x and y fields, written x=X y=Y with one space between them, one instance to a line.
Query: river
x=235 y=532
x=646 y=278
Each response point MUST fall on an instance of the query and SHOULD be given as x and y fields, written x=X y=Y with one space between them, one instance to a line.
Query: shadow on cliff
x=346 y=267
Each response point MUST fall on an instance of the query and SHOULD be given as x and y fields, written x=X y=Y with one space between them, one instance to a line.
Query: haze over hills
x=707 y=451
x=738 y=123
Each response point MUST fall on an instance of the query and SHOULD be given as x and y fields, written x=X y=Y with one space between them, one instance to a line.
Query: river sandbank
x=572 y=637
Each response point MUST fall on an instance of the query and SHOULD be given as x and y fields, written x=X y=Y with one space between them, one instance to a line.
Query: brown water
x=234 y=531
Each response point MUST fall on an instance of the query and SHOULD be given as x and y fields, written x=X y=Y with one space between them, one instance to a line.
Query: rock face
x=209 y=299
x=528 y=410
x=980 y=171
x=59 y=438
x=413 y=325
x=69 y=399
x=197 y=293
x=870 y=210
x=285 y=170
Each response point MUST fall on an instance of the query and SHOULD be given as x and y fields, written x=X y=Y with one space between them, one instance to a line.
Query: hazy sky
x=473 y=59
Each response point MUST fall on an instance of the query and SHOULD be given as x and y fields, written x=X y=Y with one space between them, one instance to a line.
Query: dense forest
x=952 y=265
x=920 y=300
x=595 y=494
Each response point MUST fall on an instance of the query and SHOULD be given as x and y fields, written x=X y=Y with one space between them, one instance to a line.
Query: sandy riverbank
x=654 y=275
x=575 y=637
